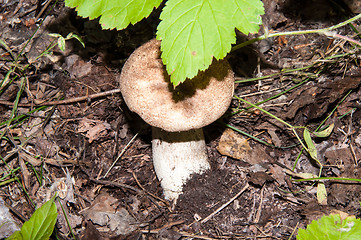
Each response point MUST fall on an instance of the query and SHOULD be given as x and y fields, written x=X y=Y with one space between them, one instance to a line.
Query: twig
x=226 y=204
x=353 y=154
x=264 y=92
x=121 y=154
x=166 y=226
x=20 y=5
x=27 y=12
x=122 y=185
x=258 y=214
x=82 y=197
x=249 y=219
x=184 y=234
x=335 y=35
x=43 y=9
x=65 y=101
x=151 y=194
x=118 y=185
x=16 y=212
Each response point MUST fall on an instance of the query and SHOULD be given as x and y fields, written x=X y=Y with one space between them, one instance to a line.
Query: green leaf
x=193 y=32
x=61 y=39
x=311 y=149
x=15 y=236
x=248 y=15
x=321 y=193
x=326 y=132
x=41 y=224
x=77 y=37
x=61 y=43
x=332 y=227
x=114 y=13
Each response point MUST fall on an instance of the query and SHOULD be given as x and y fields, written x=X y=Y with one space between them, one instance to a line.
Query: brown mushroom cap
x=146 y=89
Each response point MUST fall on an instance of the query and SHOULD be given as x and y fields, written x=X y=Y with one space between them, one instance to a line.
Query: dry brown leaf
x=30 y=159
x=104 y=213
x=278 y=174
x=233 y=145
x=94 y=129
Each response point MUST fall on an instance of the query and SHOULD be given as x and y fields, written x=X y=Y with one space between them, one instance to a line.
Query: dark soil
x=75 y=142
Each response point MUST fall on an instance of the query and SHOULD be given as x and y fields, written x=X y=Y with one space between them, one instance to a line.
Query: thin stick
x=65 y=101
x=149 y=193
x=166 y=226
x=122 y=152
x=258 y=214
x=354 y=154
x=184 y=234
x=226 y=204
x=43 y=9
x=118 y=185
x=264 y=92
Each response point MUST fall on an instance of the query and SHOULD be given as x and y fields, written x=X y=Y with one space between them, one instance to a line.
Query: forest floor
x=60 y=134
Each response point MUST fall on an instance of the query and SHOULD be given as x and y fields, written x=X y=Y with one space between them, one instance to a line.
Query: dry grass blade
x=225 y=205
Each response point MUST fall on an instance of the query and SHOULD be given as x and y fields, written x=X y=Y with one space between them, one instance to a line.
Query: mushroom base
x=176 y=156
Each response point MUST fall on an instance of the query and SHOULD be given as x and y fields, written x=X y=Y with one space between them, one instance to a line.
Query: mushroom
x=176 y=114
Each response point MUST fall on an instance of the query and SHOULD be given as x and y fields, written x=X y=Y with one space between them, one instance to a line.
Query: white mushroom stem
x=176 y=156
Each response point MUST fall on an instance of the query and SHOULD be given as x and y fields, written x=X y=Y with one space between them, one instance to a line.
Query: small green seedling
x=41 y=224
x=332 y=227
x=193 y=32
x=61 y=39
x=311 y=148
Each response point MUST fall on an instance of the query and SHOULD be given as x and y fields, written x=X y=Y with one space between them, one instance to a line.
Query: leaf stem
x=325 y=31
x=277 y=118
x=327 y=178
